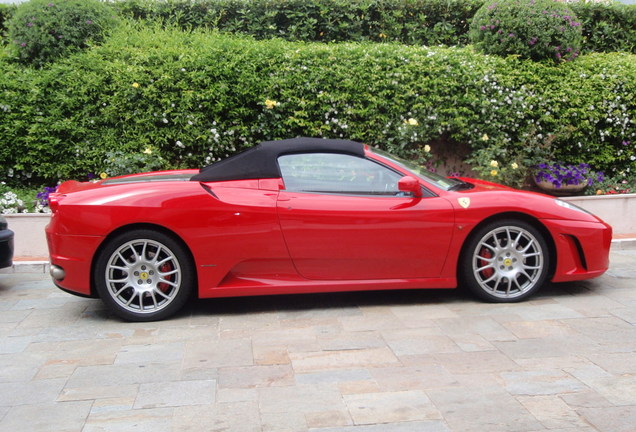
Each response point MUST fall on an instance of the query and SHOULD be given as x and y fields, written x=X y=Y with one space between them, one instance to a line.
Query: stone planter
x=565 y=190
x=30 y=240
x=616 y=210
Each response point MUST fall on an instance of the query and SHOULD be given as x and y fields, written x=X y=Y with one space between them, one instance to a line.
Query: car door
x=342 y=217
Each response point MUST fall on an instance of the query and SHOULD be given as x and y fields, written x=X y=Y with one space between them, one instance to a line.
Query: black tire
x=144 y=275
x=505 y=261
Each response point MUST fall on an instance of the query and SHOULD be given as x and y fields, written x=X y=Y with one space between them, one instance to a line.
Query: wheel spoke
x=121 y=290
x=481 y=269
x=528 y=246
x=167 y=281
x=114 y=281
x=163 y=261
x=161 y=293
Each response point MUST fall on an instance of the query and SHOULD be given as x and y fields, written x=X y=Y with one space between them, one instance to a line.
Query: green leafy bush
x=606 y=27
x=195 y=97
x=6 y=11
x=120 y=162
x=43 y=30
x=531 y=29
x=428 y=22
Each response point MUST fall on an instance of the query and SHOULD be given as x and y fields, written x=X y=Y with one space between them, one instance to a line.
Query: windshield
x=421 y=172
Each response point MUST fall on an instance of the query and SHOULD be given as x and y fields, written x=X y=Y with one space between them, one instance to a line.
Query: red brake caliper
x=486 y=253
x=164 y=287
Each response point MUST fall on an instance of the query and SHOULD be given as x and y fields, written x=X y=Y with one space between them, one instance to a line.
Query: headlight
x=571 y=206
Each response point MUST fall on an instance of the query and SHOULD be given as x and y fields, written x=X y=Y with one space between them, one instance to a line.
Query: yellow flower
x=484 y=137
x=411 y=122
x=382 y=35
x=493 y=173
x=103 y=175
x=270 y=104
x=147 y=150
x=514 y=165
x=427 y=148
x=494 y=163
x=135 y=85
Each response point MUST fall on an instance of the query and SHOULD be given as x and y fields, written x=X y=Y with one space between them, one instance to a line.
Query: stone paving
x=402 y=361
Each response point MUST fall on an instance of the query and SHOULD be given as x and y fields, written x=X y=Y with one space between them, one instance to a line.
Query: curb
x=21 y=265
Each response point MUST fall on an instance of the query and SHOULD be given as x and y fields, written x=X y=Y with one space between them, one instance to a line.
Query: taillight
x=54 y=201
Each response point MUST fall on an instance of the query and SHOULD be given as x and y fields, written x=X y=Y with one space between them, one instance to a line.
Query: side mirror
x=410 y=185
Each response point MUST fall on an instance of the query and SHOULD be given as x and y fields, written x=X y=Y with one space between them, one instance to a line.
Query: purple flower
x=482 y=28
x=511 y=35
x=533 y=41
x=43 y=197
x=626 y=143
x=50 y=5
x=29 y=24
x=23 y=44
x=560 y=175
x=89 y=22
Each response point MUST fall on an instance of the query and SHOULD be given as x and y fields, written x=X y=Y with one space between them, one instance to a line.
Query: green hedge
x=194 y=97
x=6 y=12
x=606 y=28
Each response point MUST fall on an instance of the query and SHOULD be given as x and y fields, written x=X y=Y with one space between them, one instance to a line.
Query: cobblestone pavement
x=430 y=360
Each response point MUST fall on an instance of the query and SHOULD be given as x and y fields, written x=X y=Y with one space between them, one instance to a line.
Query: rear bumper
x=74 y=254
x=582 y=249
x=6 y=248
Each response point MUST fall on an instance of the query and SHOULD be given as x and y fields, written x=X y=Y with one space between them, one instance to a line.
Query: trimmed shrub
x=606 y=27
x=531 y=29
x=43 y=30
x=193 y=98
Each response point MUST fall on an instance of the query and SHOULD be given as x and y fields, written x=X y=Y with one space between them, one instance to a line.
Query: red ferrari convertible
x=310 y=215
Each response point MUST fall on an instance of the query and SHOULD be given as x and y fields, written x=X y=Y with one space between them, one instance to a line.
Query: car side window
x=337 y=174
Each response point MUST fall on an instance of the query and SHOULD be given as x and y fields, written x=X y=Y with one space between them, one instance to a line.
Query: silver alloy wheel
x=143 y=276
x=508 y=262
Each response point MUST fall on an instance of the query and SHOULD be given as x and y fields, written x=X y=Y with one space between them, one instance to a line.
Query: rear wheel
x=144 y=275
x=505 y=261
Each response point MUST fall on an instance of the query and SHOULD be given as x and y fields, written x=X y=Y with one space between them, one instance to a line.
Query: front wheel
x=144 y=275
x=505 y=261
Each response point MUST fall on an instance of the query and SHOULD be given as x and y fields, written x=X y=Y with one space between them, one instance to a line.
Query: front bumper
x=582 y=249
x=6 y=248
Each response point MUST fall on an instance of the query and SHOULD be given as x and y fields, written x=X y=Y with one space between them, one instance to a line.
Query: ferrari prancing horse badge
x=464 y=202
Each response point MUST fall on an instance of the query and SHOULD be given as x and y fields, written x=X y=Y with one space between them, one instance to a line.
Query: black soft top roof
x=261 y=161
